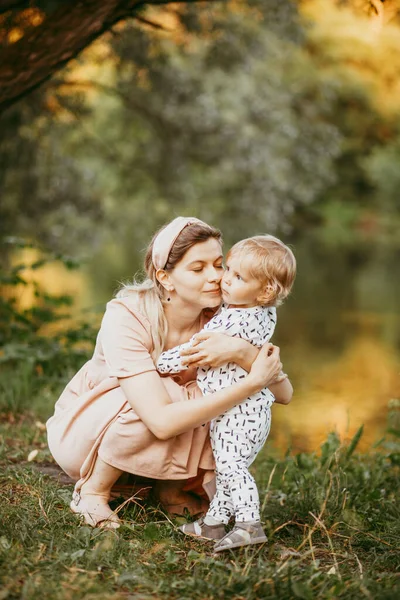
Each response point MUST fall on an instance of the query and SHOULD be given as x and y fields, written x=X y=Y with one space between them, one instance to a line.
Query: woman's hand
x=266 y=367
x=212 y=350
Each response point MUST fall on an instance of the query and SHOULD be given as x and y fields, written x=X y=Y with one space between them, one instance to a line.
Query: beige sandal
x=104 y=518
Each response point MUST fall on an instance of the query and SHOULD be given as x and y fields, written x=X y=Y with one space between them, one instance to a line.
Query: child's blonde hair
x=271 y=262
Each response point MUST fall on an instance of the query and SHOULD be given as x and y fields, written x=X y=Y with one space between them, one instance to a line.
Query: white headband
x=166 y=238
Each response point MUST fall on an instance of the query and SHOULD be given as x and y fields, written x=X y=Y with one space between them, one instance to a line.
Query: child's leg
x=242 y=488
x=212 y=526
x=238 y=439
x=249 y=433
x=221 y=506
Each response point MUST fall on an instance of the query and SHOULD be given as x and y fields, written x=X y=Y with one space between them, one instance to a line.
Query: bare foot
x=177 y=502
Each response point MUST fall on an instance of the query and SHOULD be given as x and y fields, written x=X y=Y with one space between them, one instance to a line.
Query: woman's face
x=197 y=276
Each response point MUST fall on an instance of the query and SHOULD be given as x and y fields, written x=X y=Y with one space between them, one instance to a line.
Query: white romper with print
x=238 y=434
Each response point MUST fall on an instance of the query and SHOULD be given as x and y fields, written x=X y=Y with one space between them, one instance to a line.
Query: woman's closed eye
x=200 y=269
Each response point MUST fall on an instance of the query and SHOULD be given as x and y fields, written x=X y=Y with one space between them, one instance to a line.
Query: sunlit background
x=264 y=116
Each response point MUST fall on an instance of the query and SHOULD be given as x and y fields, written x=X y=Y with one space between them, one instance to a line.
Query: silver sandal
x=243 y=534
x=201 y=530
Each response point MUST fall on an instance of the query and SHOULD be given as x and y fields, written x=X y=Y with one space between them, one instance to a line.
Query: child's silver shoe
x=201 y=530
x=243 y=534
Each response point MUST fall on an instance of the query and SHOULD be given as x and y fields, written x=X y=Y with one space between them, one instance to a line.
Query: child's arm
x=232 y=322
x=170 y=361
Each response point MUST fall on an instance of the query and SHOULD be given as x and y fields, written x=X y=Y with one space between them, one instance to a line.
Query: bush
x=39 y=345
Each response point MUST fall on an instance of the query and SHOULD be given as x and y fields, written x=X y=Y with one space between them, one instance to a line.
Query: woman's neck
x=183 y=321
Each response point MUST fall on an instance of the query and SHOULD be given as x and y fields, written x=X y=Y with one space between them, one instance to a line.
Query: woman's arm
x=149 y=399
x=215 y=349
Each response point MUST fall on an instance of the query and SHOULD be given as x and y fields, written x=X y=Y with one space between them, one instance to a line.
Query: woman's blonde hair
x=271 y=262
x=150 y=293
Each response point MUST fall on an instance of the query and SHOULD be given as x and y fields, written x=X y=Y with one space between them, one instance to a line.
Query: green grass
x=332 y=520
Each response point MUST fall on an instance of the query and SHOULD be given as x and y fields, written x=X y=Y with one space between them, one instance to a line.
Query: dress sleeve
x=126 y=340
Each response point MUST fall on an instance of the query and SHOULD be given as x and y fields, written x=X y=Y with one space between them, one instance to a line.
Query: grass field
x=332 y=519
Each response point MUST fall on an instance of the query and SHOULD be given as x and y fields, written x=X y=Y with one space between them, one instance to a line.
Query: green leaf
x=354 y=442
x=151 y=532
x=329 y=447
x=78 y=554
x=395 y=432
x=300 y=590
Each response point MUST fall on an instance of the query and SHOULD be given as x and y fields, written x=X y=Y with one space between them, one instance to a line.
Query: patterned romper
x=237 y=435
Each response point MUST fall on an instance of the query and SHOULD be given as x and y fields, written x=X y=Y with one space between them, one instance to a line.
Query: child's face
x=239 y=288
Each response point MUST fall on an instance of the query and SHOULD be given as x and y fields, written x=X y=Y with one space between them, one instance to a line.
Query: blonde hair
x=271 y=262
x=150 y=293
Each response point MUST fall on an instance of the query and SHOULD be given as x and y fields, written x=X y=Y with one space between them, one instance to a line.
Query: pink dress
x=93 y=417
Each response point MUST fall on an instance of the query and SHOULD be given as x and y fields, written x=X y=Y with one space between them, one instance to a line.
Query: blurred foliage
x=46 y=193
x=360 y=57
x=258 y=116
x=38 y=344
x=232 y=126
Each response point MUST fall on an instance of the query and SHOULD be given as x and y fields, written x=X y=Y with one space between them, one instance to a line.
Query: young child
x=259 y=275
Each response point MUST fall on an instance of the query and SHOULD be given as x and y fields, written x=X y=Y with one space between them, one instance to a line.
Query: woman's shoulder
x=128 y=306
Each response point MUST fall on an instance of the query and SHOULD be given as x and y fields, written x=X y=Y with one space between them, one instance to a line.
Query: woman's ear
x=163 y=277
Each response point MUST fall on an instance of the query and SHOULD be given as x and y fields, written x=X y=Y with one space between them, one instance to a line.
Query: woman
x=118 y=415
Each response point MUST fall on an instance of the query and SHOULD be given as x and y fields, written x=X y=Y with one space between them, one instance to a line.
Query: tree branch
x=150 y=23
x=61 y=36
x=6 y=5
